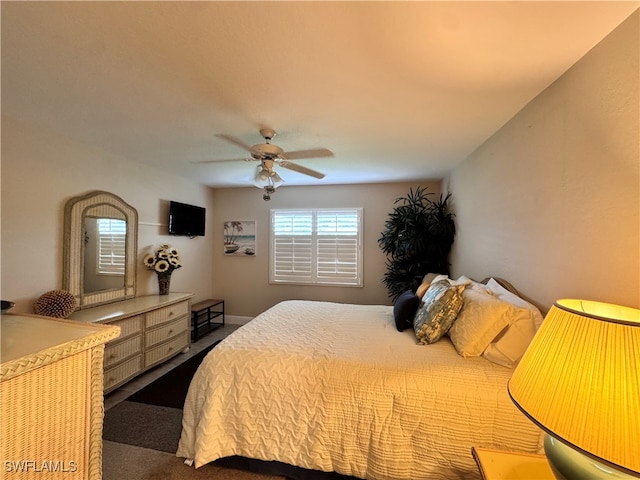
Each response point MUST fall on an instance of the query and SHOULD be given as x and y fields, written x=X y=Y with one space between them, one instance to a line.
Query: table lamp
x=579 y=381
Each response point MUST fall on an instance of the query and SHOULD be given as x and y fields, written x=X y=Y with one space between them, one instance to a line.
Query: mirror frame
x=98 y=204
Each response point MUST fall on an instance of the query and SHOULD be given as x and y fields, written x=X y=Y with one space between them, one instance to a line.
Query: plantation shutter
x=112 y=236
x=316 y=246
x=338 y=247
x=292 y=246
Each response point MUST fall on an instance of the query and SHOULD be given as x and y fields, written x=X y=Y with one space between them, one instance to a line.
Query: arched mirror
x=100 y=249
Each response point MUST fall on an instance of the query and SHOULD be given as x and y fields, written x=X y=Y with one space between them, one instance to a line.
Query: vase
x=164 y=282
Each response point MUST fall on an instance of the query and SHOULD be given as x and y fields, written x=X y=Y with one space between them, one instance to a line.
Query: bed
x=336 y=387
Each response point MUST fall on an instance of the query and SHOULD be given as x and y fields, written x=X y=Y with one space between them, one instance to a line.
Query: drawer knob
x=170 y=331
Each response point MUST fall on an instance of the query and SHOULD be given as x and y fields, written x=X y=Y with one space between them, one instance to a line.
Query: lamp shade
x=579 y=380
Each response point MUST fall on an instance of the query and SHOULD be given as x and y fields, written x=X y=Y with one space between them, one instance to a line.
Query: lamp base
x=569 y=464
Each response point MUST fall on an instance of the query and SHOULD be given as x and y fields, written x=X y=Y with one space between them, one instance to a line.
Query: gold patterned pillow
x=437 y=312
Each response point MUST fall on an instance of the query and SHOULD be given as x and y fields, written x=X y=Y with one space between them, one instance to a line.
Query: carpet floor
x=142 y=425
x=127 y=462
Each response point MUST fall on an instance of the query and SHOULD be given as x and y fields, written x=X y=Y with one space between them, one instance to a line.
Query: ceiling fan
x=270 y=155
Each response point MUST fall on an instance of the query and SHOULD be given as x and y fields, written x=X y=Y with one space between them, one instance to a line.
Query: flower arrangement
x=165 y=259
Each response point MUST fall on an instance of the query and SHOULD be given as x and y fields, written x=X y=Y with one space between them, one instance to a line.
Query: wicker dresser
x=51 y=401
x=154 y=329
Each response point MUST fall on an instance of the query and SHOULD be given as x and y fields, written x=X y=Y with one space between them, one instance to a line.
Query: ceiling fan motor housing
x=264 y=151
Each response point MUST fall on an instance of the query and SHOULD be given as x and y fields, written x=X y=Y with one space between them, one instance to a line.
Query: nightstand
x=500 y=465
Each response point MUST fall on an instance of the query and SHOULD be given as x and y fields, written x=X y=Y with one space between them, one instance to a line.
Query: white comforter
x=336 y=387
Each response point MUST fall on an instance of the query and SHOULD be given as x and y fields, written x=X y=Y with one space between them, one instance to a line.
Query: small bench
x=202 y=314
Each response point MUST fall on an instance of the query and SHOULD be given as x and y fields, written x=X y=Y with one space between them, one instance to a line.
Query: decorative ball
x=56 y=303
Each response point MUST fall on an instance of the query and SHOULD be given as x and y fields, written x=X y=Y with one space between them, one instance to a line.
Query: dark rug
x=170 y=390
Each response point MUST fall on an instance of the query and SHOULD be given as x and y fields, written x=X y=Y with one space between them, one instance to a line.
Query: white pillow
x=463 y=279
x=504 y=294
x=508 y=348
x=479 y=322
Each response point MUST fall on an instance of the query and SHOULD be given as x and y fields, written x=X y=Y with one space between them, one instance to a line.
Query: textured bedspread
x=335 y=387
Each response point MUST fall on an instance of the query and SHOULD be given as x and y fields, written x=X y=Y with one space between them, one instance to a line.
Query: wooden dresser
x=51 y=401
x=154 y=328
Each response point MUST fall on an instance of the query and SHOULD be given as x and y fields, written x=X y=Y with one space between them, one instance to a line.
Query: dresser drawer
x=166 y=350
x=167 y=314
x=166 y=331
x=117 y=375
x=128 y=326
x=118 y=351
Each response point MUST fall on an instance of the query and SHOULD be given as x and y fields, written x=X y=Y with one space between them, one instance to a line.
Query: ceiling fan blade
x=228 y=160
x=235 y=141
x=315 y=153
x=300 y=169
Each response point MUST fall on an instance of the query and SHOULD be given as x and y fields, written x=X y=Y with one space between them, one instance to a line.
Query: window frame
x=313 y=241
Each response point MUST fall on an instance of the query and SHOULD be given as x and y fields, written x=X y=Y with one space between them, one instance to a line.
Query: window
x=322 y=247
x=111 y=246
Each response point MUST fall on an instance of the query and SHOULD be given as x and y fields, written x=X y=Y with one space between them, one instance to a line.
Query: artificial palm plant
x=417 y=240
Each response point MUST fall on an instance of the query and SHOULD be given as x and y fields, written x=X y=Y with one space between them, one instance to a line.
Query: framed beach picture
x=240 y=238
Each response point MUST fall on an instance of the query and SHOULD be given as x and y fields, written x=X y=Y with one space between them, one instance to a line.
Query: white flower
x=149 y=261
x=165 y=258
x=162 y=266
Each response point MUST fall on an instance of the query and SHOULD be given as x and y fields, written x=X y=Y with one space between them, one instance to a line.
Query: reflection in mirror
x=104 y=253
x=100 y=249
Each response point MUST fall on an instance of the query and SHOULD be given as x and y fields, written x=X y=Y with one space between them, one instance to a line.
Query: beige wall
x=244 y=281
x=551 y=201
x=41 y=171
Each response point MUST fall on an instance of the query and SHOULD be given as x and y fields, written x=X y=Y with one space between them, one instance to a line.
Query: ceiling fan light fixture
x=261 y=177
x=267 y=178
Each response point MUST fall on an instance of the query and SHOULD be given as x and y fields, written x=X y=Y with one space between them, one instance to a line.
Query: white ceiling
x=398 y=91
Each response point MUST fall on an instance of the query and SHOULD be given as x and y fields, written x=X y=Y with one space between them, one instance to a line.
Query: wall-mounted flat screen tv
x=186 y=219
